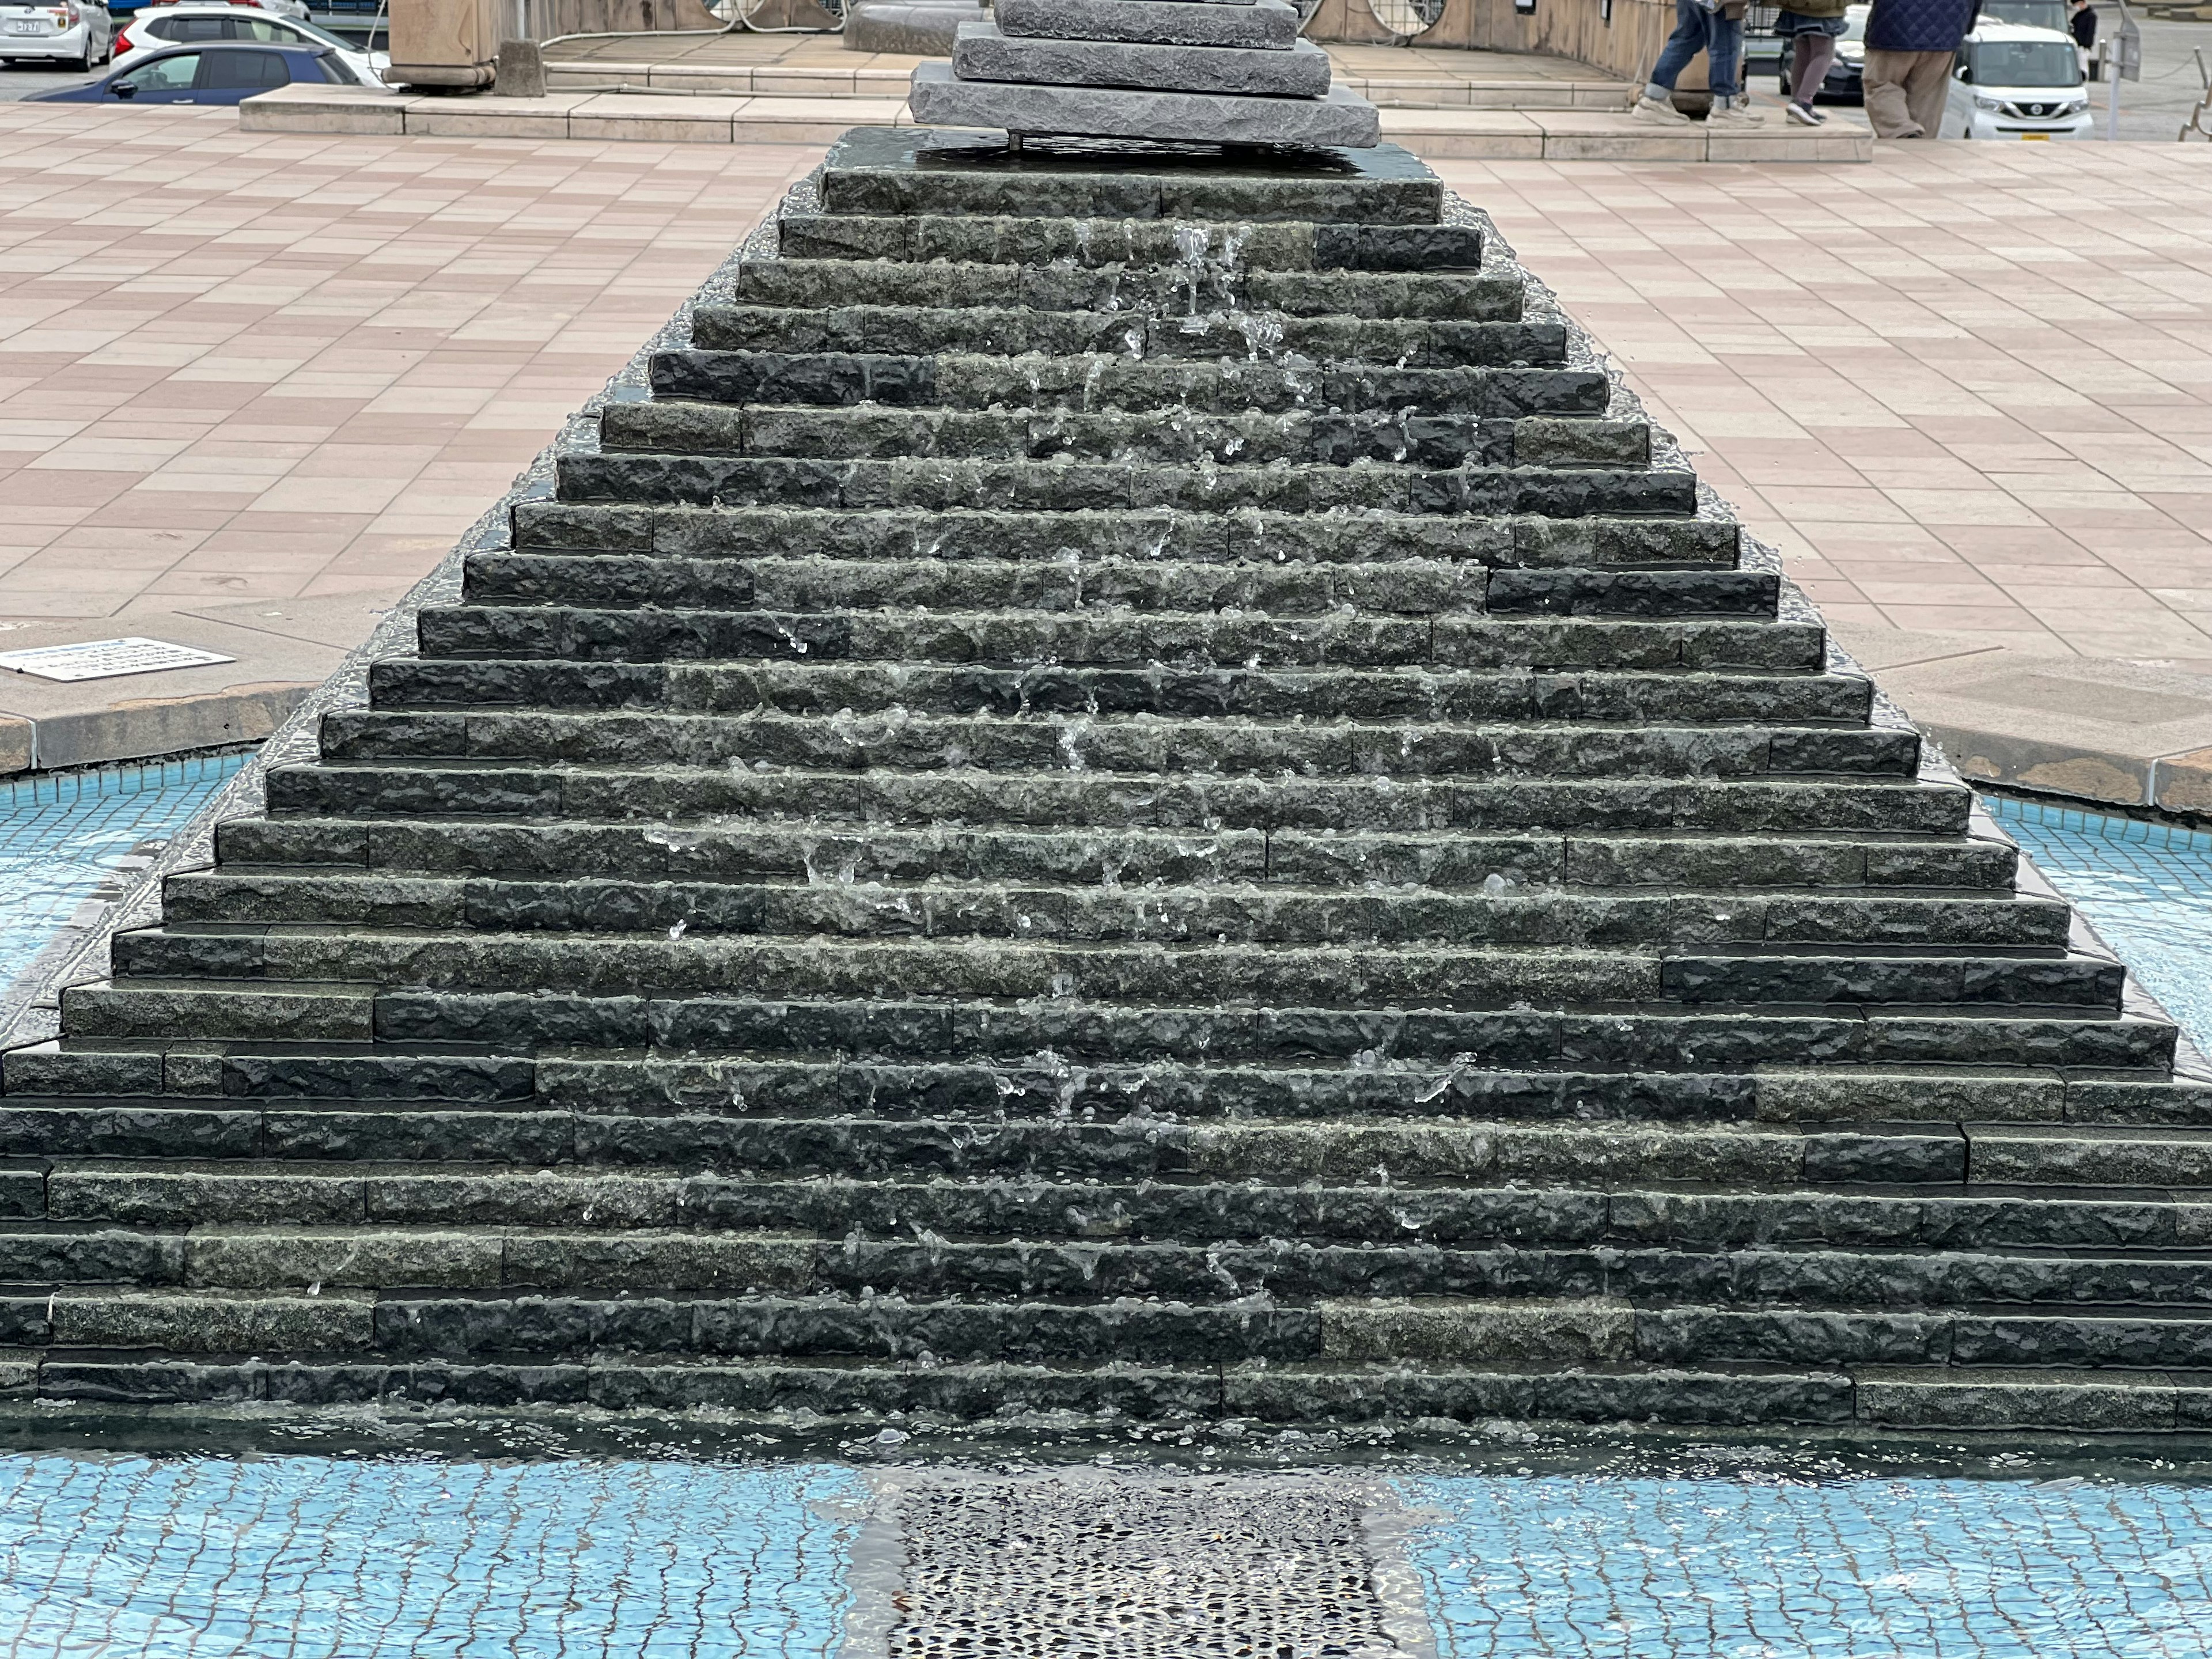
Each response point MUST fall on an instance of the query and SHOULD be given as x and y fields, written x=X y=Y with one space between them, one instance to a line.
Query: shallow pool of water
x=2146 y=888
x=309 y=1557
x=65 y=834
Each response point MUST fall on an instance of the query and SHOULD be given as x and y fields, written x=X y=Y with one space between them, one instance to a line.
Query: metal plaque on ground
x=107 y=660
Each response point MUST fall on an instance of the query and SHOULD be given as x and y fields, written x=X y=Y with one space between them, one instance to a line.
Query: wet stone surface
x=1124 y=786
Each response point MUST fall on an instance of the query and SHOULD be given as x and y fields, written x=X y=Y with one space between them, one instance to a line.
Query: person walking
x=2081 y=21
x=1812 y=27
x=1912 y=46
x=1717 y=30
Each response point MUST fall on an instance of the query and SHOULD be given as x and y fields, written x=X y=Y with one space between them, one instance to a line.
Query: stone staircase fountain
x=1138 y=789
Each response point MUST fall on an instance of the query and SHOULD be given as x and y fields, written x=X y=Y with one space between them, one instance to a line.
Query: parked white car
x=157 y=28
x=77 y=34
x=2012 y=82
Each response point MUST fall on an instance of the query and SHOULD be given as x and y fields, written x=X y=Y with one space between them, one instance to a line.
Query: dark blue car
x=228 y=73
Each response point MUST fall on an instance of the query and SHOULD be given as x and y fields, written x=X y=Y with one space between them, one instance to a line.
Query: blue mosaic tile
x=313 y=1557
x=63 y=834
x=2147 y=889
x=1606 y=1567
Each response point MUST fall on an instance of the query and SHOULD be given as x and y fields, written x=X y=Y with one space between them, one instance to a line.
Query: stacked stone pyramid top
x=1207 y=71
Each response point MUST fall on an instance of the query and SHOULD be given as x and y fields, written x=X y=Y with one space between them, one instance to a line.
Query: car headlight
x=2076 y=106
x=1993 y=106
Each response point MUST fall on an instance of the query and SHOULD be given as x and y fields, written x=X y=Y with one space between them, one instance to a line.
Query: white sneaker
x=1737 y=115
x=1657 y=111
x=1805 y=115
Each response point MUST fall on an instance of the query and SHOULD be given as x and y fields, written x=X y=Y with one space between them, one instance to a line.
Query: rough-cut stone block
x=945 y=175
x=894 y=25
x=1268 y=23
x=1341 y=120
x=985 y=54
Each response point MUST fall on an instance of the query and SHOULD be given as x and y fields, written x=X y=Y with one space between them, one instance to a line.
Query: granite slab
x=983 y=53
x=1342 y=119
x=1270 y=24
x=937 y=171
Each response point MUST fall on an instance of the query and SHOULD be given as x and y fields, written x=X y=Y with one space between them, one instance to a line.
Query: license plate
x=22 y=25
x=2034 y=137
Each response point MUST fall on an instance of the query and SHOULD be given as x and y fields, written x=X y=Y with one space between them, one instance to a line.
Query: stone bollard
x=521 y=71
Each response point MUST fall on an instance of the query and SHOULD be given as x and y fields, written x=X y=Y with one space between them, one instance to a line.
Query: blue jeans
x=1697 y=30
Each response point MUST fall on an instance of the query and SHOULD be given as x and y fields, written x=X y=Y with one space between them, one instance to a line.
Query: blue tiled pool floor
x=376 y=1558
x=327 y=1558
x=62 y=835
x=1603 y=1567
x=2146 y=888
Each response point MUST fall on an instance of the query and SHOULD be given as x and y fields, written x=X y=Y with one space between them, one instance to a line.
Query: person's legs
x=1814 y=52
x=1655 y=103
x=1691 y=21
x=1724 y=51
x=1887 y=112
x=1927 y=85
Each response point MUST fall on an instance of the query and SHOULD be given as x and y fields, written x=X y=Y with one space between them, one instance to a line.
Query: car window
x=2024 y=63
x=308 y=32
x=226 y=71
x=171 y=74
x=263 y=28
x=2034 y=14
x=195 y=29
x=335 y=71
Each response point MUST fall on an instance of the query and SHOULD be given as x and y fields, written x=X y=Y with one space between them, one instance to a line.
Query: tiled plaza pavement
x=1967 y=391
x=252 y=388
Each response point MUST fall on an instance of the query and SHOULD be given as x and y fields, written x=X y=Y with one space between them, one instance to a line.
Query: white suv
x=157 y=28
x=2012 y=82
x=77 y=34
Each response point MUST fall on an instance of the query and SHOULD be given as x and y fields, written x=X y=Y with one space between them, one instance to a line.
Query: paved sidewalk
x=1968 y=391
x=252 y=388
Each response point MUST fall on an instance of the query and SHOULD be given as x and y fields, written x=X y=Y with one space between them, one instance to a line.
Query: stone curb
x=670 y=117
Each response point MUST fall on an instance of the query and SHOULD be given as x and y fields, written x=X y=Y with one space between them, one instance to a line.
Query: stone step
x=1130 y=1150
x=866 y=1390
x=665 y=795
x=582 y=850
x=1017 y=964
x=418 y=1323
x=875 y=170
x=1248 y=439
x=1283 y=911
x=833 y=1231
x=2038 y=1398
x=742 y=1137
x=1266 y=540
x=676 y=426
x=1133 y=639
x=1661 y=1036
x=1091 y=244
x=935 y=485
x=1112 y=378
x=1995 y=1336
x=897 y=739
x=1010 y=331
x=925 y=1263
x=845 y=692
x=1407 y=587
x=1175 y=284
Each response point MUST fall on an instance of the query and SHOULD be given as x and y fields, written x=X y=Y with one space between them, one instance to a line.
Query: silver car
x=76 y=33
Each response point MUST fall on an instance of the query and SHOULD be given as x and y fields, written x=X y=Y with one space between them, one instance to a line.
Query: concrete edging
x=1520 y=134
